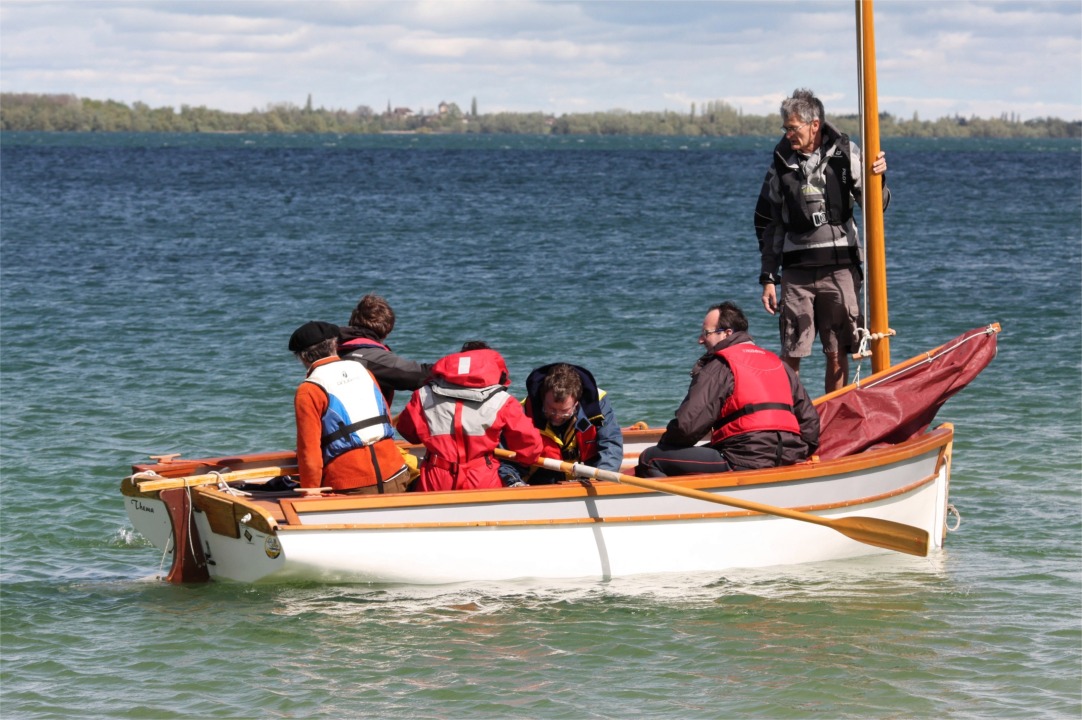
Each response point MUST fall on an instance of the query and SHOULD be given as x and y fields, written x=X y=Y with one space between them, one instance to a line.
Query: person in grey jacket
x=364 y=341
x=748 y=402
x=804 y=222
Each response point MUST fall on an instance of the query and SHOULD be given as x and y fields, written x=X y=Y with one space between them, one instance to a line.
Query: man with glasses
x=808 y=239
x=749 y=405
x=576 y=422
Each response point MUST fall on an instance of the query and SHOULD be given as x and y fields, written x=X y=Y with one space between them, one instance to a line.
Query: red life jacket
x=462 y=413
x=473 y=369
x=583 y=449
x=762 y=399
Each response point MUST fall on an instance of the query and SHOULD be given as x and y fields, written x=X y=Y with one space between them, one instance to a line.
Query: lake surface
x=148 y=287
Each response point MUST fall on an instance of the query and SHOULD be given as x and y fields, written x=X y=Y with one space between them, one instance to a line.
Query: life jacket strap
x=433 y=460
x=352 y=428
x=751 y=408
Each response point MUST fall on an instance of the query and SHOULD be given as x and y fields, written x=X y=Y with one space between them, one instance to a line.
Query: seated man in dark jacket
x=576 y=422
x=752 y=405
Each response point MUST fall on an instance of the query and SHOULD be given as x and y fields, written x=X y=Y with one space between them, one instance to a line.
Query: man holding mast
x=808 y=239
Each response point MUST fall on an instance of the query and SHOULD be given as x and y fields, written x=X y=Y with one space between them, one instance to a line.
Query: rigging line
x=864 y=332
x=928 y=358
x=165 y=551
x=191 y=509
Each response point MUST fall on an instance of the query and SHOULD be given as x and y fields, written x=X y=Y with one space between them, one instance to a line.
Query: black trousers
x=665 y=460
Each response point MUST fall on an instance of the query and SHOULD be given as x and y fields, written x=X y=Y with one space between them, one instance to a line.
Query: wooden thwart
x=871 y=531
x=152 y=484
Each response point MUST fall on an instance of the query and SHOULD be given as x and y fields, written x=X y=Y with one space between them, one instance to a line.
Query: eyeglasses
x=715 y=331
x=790 y=130
x=558 y=415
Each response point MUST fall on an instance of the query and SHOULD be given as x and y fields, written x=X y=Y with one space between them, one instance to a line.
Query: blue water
x=148 y=286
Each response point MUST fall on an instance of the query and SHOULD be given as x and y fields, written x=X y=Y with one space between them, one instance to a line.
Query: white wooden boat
x=881 y=481
x=893 y=495
x=599 y=530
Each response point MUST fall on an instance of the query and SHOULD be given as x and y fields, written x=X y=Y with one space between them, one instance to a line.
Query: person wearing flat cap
x=345 y=439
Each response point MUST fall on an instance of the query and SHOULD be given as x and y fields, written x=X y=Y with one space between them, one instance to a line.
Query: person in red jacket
x=750 y=403
x=344 y=435
x=460 y=415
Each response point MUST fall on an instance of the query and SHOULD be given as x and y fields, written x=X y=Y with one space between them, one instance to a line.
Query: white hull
x=597 y=530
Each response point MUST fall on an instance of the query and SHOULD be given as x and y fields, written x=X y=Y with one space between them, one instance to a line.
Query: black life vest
x=838 y=172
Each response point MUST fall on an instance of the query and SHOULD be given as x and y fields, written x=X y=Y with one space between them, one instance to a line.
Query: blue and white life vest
x=356 y=413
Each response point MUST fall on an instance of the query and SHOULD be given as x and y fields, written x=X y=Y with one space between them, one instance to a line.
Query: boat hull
x=576 y=530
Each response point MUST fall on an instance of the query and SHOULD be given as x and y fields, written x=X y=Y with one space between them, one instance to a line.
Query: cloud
x=935 y=58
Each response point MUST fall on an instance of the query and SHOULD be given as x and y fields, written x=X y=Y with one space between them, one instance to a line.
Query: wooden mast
x=876 y=261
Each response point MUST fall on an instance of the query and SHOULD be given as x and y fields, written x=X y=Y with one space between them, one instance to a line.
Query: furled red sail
x=900 y=402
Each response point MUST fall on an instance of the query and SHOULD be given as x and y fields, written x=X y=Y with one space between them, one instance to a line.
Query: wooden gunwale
x=793 y=473
x=289 y=518
x=254 y=461
x=945 y=456
x=211 y=501
x=611 y=520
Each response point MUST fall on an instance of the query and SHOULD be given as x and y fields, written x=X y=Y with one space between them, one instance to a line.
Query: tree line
x=68 y=113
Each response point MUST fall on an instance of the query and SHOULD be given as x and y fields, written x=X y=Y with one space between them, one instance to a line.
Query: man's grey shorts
x=828 y=295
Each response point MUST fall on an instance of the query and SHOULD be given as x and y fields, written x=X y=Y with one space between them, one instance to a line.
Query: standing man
x=345 y=439
x=753 y=406
x=804 y=221
x=576 y=422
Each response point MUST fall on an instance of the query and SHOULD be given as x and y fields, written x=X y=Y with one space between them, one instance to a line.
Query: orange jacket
x=352 y=469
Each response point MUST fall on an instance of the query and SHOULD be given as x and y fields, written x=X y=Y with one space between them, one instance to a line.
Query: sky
x=935 y=58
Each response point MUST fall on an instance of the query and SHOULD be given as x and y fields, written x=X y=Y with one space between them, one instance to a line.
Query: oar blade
x=885 y=534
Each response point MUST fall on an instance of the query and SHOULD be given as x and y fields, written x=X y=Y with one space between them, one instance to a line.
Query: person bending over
x=576 y=422
x=459 y=415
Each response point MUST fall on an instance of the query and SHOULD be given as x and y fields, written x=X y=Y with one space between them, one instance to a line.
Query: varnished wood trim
x=945 y=455
x=290 y=511
x=181 y=467
x=794 y=473
x=224 y=512
x=611 y=520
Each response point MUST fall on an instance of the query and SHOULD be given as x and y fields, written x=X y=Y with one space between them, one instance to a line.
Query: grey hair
x=804 y=105
x=320 y=350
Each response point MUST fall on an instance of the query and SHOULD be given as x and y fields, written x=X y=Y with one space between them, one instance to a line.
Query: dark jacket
x=391 y=371
x=711 y=385
x=791 y=194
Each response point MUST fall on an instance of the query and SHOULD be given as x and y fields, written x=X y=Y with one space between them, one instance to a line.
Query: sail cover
x=901 y=402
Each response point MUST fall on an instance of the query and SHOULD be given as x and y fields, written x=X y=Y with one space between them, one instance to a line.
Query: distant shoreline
x=68 y=113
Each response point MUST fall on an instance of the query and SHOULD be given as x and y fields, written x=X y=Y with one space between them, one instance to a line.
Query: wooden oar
x=152 y=484
x=872 y=531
